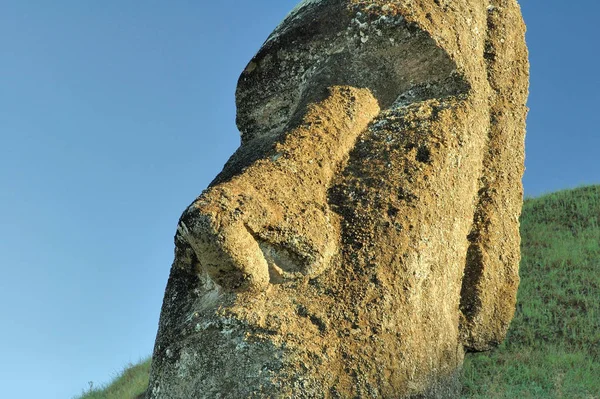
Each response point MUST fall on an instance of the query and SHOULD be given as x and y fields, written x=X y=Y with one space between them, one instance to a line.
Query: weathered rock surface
x=365 y=234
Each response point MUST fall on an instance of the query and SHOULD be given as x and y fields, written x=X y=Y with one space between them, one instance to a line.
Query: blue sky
x=115 y=115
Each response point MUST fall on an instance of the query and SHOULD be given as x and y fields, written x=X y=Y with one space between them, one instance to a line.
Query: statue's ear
x=491 y=275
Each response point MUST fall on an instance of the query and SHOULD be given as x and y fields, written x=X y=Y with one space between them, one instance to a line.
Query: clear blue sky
x=115 y=115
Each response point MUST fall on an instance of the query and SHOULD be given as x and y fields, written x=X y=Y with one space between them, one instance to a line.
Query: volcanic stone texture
x=365 y=234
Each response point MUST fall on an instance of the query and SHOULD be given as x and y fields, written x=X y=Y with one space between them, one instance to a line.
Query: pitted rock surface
x=365 y=234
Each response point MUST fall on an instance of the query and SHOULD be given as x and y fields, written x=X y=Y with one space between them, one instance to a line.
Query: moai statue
x=366 y=232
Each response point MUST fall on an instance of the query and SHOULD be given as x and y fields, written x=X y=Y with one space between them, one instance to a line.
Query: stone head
x=365 y=234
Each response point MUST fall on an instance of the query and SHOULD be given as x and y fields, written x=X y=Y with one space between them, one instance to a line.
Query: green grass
x=553 y=346
x=131 y=383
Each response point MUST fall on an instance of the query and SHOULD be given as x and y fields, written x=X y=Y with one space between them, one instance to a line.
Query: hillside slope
x=553 y=346
x=130 y=384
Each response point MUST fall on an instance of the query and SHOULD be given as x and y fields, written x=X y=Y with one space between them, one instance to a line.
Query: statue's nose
x=271 y=222
x=229 y=254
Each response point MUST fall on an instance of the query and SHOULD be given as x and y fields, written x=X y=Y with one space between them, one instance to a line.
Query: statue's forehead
x=324 y=43
x=296 y=14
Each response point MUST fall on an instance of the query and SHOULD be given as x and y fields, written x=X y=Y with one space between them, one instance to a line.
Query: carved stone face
x=366 y=232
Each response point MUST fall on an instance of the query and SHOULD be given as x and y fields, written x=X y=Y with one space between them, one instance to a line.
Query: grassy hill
x=130 y=384
x=553 y=346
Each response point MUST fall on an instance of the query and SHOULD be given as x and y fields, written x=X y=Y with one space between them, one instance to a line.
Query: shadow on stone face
x=382 y=149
